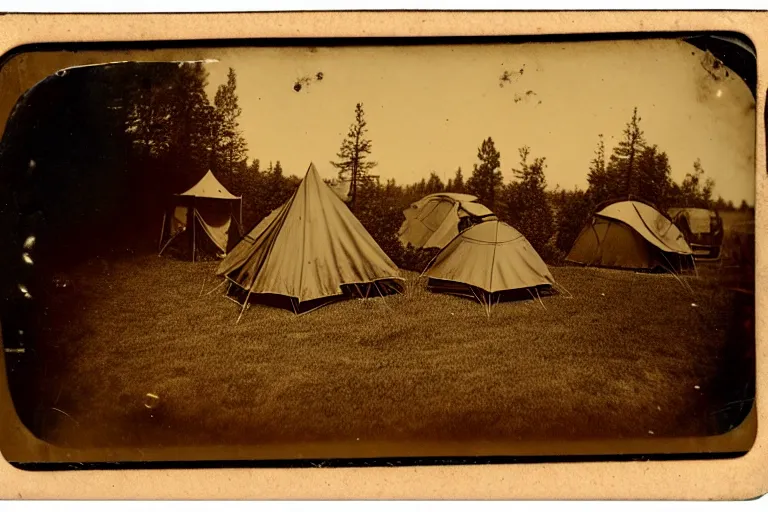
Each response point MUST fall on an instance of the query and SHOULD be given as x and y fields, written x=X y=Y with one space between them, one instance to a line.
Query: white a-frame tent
x=205 y=214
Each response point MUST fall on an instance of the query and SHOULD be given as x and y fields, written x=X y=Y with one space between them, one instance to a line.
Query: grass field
x=628 y=355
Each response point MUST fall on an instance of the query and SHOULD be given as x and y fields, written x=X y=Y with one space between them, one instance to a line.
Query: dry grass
x=619 y=359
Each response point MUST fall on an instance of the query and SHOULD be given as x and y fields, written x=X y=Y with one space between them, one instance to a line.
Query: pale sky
x=429 y=107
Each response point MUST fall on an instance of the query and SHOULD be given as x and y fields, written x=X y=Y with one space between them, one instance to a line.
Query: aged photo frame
x=456 y=457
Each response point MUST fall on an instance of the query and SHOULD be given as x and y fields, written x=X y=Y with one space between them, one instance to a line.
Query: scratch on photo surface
x=66 y=414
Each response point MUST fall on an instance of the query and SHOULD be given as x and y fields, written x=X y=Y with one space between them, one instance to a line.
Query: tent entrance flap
x=216 y=225
x=206 y=213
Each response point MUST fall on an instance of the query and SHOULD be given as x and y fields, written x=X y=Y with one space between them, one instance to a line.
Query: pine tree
x=170 y=122
x=624 y=162
x=434 y=184
x=653 y=179
x=486 y=178
x=458 y=181
x=228 y=145
x=353 y=163
x=574 y=211
x=526 y=206
x=599 y=183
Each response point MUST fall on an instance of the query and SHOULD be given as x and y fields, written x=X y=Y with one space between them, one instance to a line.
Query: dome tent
x=436 y=219
x=486 y=261
x=631 y=235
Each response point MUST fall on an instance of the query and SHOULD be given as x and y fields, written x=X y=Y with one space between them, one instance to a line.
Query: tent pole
x=169 y=242
x=245 y=303
x=194 y=218
x=383 y=300
x=162 y=232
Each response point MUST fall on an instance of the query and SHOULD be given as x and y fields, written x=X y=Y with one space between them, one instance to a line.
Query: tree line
x=550 y=220
x=112 y=144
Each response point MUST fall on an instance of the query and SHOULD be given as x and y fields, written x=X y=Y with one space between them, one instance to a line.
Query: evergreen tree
x=353 y=163
x=434 y=184
x=574 y=211
x=458 y=182
x=526 y=205
x=170 y=122
x=653 y=182
x=600 y=186
x=695 y=190
x=623 y=164
x=191 y=142
x=228 y=145
x=486 y=179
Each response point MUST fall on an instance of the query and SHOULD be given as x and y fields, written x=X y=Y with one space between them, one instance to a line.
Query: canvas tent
x=308 y=252
x=206 y=214
x=631 y=235
x=487 y=261
x=436 y=219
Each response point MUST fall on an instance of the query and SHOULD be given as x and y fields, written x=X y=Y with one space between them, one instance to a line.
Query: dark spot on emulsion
x=297 y=87
x=319 y=76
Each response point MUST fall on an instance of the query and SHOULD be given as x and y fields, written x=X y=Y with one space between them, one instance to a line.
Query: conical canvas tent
x=436 y=219
x=487 y=261
x=631 y=235
x=207 y=212
x=308 y=252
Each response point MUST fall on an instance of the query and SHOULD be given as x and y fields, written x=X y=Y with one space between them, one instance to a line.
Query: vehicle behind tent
x=703 y=230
